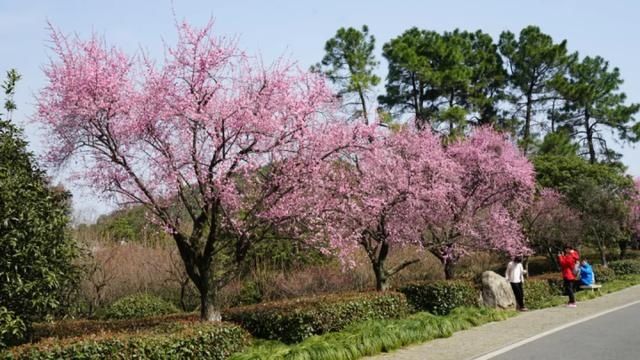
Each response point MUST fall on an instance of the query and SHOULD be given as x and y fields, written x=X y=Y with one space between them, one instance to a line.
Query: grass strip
x=373 y=337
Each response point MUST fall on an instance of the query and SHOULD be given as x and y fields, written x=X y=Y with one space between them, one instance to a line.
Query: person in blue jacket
x=586 y=273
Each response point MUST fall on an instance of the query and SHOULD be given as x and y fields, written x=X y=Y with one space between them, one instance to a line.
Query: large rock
x=496 y=291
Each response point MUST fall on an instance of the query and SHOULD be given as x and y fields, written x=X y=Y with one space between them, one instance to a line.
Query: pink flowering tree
x=549 y=224
x=200 y=140
x=496 y=185
x=377 y=195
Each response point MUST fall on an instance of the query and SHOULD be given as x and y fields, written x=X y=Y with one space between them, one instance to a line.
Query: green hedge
x=625 y=267
x=294 y=320
x=440 y=297
x=193 y=341
x=538 y=293
x=603 y=274
x=138 y=306
x=72 y=328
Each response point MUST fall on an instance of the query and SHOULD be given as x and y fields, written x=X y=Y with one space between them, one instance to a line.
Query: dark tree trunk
x=589 y=139
x=623 y=245
x=378 y=267
x=526 y=131
x=364 y=107
x=448 y=270
x=381 y=276
x=603 y=255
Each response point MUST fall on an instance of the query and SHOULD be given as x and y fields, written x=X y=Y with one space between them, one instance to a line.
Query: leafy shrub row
x=603 y=274
x=138 y=306
x=294 y=320
x=440 y=297
x=625 y=267
x=538 y=292
x=181 y=341
x=73 y=328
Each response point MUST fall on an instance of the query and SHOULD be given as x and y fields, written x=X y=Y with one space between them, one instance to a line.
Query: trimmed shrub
x=603 y=274
x=440 y=297
x=294 y=320
x=554 y=280
x=73 y=328
x=138 y=306
x=538 y=292
x=625 y=267
x=194 y=341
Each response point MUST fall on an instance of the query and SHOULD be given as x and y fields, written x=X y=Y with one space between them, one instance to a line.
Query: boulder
x=496 y=292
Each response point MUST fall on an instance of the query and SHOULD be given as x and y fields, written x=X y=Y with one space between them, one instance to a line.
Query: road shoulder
x=490 y=338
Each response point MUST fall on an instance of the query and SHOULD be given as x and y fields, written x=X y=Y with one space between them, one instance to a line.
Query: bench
x=592 y=287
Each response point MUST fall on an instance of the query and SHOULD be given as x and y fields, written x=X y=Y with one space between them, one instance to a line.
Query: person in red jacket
x=568 y=260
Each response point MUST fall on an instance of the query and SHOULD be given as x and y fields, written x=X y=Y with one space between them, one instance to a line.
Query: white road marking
x=549 y=332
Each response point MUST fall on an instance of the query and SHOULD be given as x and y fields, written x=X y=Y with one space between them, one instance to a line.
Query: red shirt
x=567 y=263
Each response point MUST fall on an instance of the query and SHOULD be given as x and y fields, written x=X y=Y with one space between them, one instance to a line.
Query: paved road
x=615 y=335
x=496 y=338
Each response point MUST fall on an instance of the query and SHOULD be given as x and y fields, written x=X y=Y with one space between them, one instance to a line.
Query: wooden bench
x=592 y=287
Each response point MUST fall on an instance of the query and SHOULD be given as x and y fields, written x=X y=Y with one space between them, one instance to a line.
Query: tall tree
x=36 y=265
x=594 y=102
x=206 y=134
x=533 y=60
x=444 y=80
x=349 y=62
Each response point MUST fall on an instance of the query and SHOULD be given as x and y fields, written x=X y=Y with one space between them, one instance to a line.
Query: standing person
x=568 y=260
x=515 y=276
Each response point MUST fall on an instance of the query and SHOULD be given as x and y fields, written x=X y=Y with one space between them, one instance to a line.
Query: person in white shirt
x=515 y=276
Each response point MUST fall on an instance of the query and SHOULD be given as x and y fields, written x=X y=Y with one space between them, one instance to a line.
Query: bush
x=538 y=292
x=440 y=297
x=193 y=341
x=138 y=306
x=625 y=267
x=603 y=274
x=12 y=328
x=73 y=328
x=294 y=320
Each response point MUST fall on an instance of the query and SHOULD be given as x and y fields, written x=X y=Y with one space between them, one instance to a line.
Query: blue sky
x=298 y=29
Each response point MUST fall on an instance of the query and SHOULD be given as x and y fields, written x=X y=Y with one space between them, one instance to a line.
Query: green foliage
x=138 y=306
x=533 y=60
x=36 y=267
x=350 y=63
x=539 y=293
x=558 y=143
x=625 y=267
x=182 y=341
x=440 y=297
x=603 y=274
x=374 y=336
x=294 y=320
x=444 y=79
x=68 y=328
x=12 y=328
x=593 y=102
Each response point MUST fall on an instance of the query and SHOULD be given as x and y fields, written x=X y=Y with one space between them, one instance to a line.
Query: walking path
x=484 y=342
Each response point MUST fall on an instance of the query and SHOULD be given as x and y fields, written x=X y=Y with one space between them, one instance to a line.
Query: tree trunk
x=603 y=256
x=589 y=139
x=623 y=245
x=209 y=309
x=364 y=107
x=526 y=131
x=448 y=270
x=381 y=276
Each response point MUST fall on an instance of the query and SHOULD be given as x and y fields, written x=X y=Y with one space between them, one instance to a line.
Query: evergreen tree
x=593 y=103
